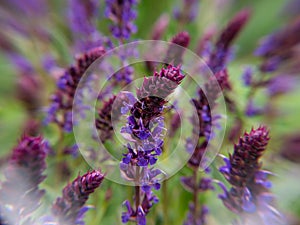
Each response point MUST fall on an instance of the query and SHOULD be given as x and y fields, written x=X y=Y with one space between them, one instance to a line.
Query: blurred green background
x=267 y=17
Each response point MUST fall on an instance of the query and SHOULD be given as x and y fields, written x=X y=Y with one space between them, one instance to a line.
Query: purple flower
x=220 y=55
x=82 y=16
x=200 y=220
x=122 y=14
x=69 y=208
x=174 y=54
x=188 y=12
x=249 y=182
x=60 y=110
x=247 y=76
x=281 y=84
x=252 y=109
x=144 y=129
x=203 y=132
x=20 y=191
x=280 y=46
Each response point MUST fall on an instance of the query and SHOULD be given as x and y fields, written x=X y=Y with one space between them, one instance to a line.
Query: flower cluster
x=249 y=195
x=122 y=13
x=60 y=110
x=205 y=120
x=82 y=19
x=69 y=209
x=144 y=129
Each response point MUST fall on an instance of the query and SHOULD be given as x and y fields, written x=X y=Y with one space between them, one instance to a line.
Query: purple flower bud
x=174 y=54
x=68 y=208
x=62 y=100
x=219 y=56
x=249 y=182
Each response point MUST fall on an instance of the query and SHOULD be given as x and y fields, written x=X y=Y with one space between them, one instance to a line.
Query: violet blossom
x=221 y=53
x=69 y=209
x=60 y=110
x=144 y=129
x=249 y=195
x=82 y=16
x=122 y=14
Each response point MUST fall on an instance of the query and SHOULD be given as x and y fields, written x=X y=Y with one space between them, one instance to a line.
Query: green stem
x=195 y=196
x=165 y=202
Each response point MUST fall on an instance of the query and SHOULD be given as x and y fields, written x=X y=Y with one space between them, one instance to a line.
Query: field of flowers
x=149 y=112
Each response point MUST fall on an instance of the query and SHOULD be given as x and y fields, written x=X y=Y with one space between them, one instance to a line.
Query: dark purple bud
x=233 y=28
x=60 y=110
x=221 y=54
x=68 y=208
x=249 y=194
x=174 y=54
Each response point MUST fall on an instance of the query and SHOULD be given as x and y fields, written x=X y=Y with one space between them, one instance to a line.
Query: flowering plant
x=145 y=112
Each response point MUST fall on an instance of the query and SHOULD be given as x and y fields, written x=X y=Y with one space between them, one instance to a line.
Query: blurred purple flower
x=122 y=14
x=62 y=99
x=252 y=109
x=82 y=16
x=200 y=220
x=247 y=75
x=249 y=196
x=107 y=114
x=174 y=54
x=280 y=47
x=188 y=12
x=20 y=191
x=220 y=55
x=281 y=84
x=160 y=27
x=69 y=208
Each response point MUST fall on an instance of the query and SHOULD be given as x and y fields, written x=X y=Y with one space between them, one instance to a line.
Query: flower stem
x=195 y=196
x=165 y=202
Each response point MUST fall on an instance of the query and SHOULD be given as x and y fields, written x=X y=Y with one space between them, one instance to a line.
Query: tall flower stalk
x=69 y=209
x=194 y=183
x=144 y=131
x=60 y=110
x=249 y=195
